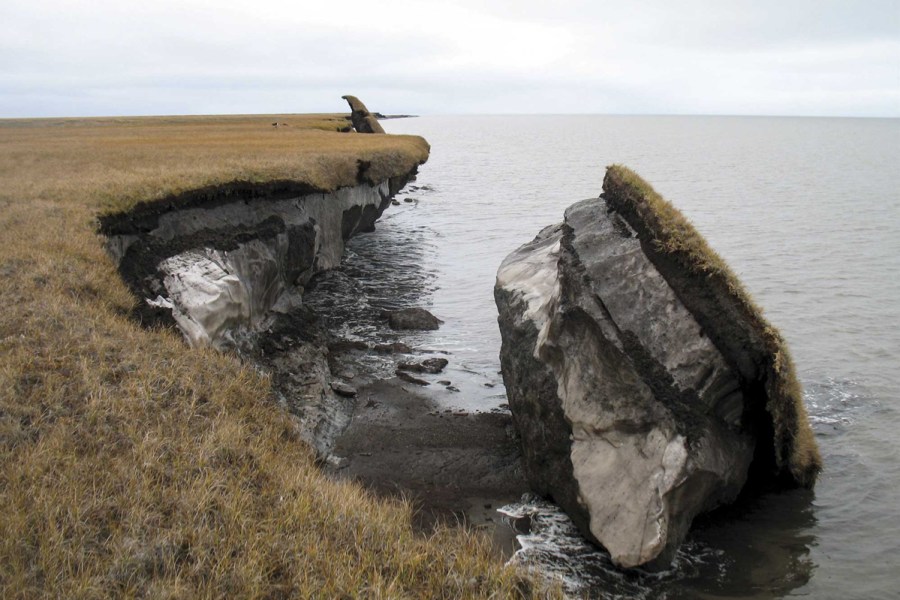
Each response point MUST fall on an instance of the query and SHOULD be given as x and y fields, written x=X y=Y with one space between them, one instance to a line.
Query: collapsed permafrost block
x=645 y=384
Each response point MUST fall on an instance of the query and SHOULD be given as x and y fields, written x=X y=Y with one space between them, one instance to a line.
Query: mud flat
x=456 y=466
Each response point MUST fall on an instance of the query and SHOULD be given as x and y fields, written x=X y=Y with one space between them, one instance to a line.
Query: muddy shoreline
x=457 y=467
x=396 y=438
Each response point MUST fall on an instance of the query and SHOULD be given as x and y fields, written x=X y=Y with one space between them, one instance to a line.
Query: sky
x=756 y=57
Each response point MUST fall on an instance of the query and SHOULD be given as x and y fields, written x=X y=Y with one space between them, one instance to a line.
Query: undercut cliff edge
x=228 y=265
x=646 y=385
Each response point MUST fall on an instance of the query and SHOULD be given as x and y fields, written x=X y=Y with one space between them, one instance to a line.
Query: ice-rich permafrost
x=228 y=265
x=646 y=386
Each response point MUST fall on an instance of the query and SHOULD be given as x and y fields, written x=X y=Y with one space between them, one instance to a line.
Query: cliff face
x=220 y=269
x=645 y=390
x=228 y=267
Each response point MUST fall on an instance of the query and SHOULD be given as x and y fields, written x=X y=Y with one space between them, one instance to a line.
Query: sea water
x=807 y=213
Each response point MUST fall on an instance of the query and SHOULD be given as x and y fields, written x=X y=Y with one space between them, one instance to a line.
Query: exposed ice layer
x=530 y=273
x=216 y=295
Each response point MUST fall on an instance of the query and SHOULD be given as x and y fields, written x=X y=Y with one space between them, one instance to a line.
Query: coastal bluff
x=646 y=385
x=137 y=466
x=228 y=264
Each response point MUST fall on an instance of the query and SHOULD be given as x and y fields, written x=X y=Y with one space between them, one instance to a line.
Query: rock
x=409 y=378
x=393 y=348
x=413 y=318
x=444 y=382
x=645 y=385
x=363 y=120
x=347 y=374
x=342 y=389
x=432 y=366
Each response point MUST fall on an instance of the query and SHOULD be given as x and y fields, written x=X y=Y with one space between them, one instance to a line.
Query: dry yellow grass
x=111 y=164
x=132 y=466
x=672 y=234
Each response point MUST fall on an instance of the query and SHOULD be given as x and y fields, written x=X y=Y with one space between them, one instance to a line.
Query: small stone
x=413 y=318
x=394 y=348
x=429 y=365
x=395 y=202
x=342 y=389
x=410 y=379
x=434 y=365
x=452 y=388
x=444 y=382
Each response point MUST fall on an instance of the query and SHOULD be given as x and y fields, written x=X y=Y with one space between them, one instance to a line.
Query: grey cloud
x=788 y=57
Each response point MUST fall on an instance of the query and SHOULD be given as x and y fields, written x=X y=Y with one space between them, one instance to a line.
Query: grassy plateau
x=133 y=466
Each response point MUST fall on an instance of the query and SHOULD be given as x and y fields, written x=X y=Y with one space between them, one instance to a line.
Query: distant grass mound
x=132 y=466
x=727 y=313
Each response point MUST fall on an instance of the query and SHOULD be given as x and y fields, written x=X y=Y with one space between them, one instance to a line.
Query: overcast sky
x=119 y=57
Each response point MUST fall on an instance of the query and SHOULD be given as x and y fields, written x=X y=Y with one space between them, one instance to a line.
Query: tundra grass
x=673 y=234
x=133 y=466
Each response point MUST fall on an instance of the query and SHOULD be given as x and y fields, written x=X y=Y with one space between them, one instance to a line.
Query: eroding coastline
x=228 y=267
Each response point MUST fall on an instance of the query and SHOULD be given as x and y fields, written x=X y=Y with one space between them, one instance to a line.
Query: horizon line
x=462 y=114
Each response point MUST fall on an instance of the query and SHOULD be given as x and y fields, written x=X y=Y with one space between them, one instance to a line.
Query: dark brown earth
x=456 y=467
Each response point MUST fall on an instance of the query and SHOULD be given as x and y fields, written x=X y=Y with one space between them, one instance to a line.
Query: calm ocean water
x=806 y=211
